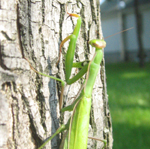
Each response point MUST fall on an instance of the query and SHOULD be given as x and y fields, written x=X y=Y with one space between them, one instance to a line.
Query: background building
x=119 y=15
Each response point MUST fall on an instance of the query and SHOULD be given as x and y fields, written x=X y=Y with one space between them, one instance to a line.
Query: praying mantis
x=76 y=135
x=77 y=126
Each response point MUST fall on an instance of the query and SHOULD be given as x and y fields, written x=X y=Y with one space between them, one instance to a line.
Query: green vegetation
x=129 y=100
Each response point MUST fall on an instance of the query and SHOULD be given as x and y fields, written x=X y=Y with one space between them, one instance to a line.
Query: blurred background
x=127 y=57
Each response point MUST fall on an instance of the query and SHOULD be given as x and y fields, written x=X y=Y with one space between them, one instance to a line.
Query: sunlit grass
x=129 y=100
x=131 y=75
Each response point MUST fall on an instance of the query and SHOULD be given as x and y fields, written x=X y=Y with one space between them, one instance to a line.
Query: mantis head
x=98 y=43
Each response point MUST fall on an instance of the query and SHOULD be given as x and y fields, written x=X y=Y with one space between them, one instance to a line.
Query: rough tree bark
x=29 y=111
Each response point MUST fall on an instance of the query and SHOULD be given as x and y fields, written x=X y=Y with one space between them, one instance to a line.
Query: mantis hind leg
x=97 y=139
x=59 y=130
x=57 y=79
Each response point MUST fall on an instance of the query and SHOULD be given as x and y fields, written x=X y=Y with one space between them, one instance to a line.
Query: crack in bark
x=2 y=64
x=37 y=140
x=43 y=11
x=41 y=99
x=15 y=114
x=29 y=24
x=93 y=11
x=7 y=36
x=19 y=31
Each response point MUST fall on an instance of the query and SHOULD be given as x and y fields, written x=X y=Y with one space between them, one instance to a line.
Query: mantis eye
x=97 y=43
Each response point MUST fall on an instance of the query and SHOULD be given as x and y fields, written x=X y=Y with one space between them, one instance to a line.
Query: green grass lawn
x=129 y=100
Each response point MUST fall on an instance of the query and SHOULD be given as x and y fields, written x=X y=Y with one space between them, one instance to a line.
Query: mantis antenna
x=118 y=33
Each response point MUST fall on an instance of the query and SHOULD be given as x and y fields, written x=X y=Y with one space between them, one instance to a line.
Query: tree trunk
x=141 y=53
x=29 y=110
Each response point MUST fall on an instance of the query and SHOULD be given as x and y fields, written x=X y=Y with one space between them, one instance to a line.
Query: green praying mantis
x=76 y=135
x=77 y=126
